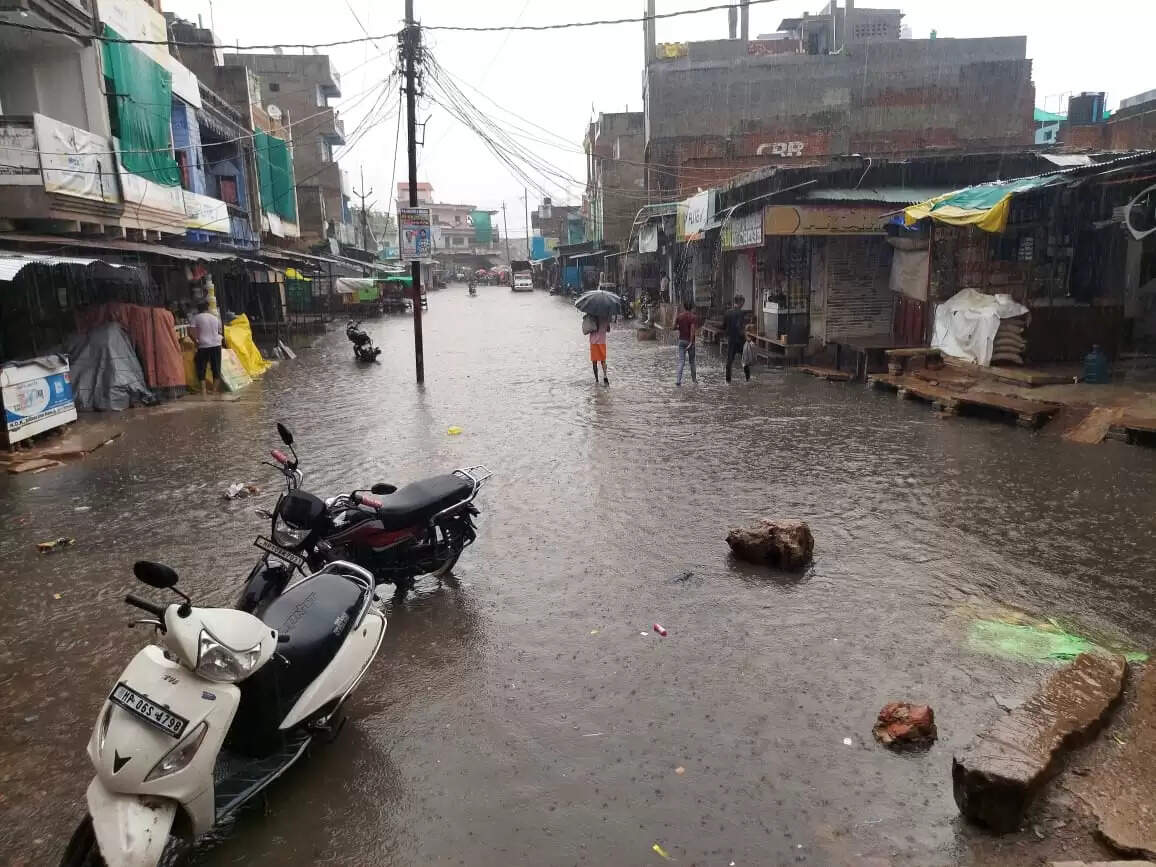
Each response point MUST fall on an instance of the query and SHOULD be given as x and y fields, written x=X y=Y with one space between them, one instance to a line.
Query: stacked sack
x=1010 y=343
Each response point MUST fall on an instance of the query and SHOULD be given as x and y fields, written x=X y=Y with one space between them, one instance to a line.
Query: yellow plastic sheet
x=239 y=338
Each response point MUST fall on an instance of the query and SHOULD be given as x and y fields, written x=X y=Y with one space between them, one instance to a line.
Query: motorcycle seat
x=422 y=500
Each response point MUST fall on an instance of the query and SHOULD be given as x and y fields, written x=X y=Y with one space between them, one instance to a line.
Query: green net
x=275 y=176
x=1034 y=642
x=140 y=99
x=483 y=229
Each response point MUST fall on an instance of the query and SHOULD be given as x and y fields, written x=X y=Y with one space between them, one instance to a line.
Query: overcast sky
x=556 y=79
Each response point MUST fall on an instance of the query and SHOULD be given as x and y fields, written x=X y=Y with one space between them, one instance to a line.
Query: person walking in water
x=207 y=331
x=734 y=323
x=687 y=325
x=598 y=348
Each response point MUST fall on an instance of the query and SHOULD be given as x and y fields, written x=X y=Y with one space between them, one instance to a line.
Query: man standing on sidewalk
x=735 y=324
x=687 y=325
x=207 y=330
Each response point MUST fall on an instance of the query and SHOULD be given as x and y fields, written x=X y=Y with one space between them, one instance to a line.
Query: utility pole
x=411 y=44
x=526 y=200
x=506 y=231
x=364 y=214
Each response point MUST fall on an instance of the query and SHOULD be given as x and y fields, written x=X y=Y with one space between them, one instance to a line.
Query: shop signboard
x=648 y=238
x=76 y=162
x=694 y=214
x=206 y=213
x=37 y=396
x=415 y=233
x=822 y=220
x=18 y=158
x=741 y=232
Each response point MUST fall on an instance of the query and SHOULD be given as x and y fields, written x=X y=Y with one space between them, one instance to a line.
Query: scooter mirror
x=155 y=574
x=285 y=433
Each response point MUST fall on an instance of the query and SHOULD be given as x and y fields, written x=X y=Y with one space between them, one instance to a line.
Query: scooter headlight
x=219 y=662
x=179 y=756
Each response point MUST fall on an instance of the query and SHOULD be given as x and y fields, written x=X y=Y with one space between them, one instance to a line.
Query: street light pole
x=526 y=200
x=410 y=46
x=506 y=231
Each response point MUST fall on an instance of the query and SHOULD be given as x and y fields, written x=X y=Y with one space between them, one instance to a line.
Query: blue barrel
x=1096 y=367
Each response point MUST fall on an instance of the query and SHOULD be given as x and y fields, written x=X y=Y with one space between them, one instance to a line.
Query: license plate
x=271 y=547
x=149 y=711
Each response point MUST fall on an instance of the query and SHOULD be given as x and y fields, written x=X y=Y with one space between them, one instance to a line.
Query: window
x=229 y=191
x=459 y=241
x=274 y=87
x=457 y=219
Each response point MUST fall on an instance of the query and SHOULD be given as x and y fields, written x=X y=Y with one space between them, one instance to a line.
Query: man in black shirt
x=734 y=323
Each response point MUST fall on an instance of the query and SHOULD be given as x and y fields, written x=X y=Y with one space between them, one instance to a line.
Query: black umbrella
x=599 y=302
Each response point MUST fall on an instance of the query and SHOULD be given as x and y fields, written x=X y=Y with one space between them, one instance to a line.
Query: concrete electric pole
x=506 y=231
x=526 y=201
x=411 y=46
x=364 y=214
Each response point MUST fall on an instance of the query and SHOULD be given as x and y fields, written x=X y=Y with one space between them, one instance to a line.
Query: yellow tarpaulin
x=985 y=206
x=239 y=338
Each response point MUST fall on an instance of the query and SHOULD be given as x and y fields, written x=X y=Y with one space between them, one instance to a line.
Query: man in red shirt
x=687 y=325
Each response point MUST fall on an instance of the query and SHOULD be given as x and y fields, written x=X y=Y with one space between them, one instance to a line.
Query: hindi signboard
x=415 y=232
x=745 y=231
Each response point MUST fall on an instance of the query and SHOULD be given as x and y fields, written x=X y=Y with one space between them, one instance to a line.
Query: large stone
x=995 y=778
x=784 y=544
x=1122 y=791
x=903 y=724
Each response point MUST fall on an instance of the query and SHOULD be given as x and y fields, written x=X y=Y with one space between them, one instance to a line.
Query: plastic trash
x=658 y=627
x=51 y=545
x=454 y=431
x=662 y=853
x=847 y=742
x=239 y=490
x=1033 y=642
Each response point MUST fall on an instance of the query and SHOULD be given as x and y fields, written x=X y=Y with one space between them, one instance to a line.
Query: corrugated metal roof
x=12 y=263
x=118 y=244
x=890 y=195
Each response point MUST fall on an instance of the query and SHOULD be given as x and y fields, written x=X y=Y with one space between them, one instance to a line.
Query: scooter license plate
x=149 y=711
x=270 y=547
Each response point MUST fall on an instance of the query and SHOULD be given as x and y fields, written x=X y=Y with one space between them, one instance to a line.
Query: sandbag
x=1008 y=357
x=1006 y=342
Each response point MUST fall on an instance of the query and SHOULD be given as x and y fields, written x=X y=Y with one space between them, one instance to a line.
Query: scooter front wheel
x=82 y=850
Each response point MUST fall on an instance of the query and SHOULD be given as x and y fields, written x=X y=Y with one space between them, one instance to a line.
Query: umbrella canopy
x=598 y=302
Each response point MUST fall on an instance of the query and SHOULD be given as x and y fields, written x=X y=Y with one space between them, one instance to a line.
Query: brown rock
x=784 y=544
x=995 y=778
x=901 y=723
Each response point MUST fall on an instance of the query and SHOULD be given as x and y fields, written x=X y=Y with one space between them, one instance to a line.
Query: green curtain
x=142 y=99
x=275 y=176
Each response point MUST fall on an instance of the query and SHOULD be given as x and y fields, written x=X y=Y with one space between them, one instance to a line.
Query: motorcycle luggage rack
x=477 y=475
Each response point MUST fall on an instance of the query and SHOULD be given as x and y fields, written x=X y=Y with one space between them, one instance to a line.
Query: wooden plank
x=1095 y=425
x=1018 y=405
x=828 y=373
x=30 y=466
x=948 y=378
x=1028 y=376
x=912 y=352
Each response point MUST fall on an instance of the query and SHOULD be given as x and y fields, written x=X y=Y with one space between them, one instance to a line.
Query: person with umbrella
x=598 y=305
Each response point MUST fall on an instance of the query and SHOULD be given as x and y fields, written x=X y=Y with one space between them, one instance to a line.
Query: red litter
x=660 y=630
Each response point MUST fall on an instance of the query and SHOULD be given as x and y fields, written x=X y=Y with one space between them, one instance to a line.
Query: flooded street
x=519 y=715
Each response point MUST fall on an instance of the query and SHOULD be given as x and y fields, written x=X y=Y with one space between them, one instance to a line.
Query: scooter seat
x=422 y=500
x=316 y=614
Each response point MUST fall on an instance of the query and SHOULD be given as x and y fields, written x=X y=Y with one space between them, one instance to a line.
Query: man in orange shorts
x=598 y=349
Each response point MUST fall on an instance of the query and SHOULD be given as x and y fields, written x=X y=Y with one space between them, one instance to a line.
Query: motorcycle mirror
x=155 y=574
x=285 y=434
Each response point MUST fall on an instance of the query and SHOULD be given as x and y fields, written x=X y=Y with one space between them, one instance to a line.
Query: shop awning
x=12 y=263
x=119 y=245
x=588 y=255
x=985 y=206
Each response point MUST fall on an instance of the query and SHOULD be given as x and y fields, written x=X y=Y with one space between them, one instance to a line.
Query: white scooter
x=199 y=726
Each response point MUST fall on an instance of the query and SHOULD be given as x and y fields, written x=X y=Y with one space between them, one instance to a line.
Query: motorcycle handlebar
x=363 y=499
x=152 y=608
x=279 y=456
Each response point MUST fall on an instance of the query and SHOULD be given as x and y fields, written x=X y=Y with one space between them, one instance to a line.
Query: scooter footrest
x=237 y=778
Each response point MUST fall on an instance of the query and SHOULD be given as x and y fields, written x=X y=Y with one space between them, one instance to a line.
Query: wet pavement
x=518 y=715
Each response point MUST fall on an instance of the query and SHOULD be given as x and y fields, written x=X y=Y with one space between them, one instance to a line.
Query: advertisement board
x=18 y=158
x=694 y=214
x=648 y=238
x=822 y=220
x=76 y=162
x=415 y=233
x=745 y=231
x=206 y=213
x=37 y=396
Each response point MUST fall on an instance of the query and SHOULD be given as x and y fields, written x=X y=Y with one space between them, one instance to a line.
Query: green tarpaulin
x=275 y=176
x=483 y=230
x=140 y=99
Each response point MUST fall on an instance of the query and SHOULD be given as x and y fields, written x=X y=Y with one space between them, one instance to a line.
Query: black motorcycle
x=363 y=348
x=395 y=533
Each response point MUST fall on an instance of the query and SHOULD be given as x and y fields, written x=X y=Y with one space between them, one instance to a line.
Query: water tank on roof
x=1086 y=108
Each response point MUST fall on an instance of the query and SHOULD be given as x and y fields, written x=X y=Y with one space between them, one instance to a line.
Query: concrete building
x=1131 y=127
x=558 y=225
x=838 y=83
x=615 y=178
x=296 y=89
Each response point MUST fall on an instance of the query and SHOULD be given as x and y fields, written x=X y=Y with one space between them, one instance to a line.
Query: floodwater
x=525 y=713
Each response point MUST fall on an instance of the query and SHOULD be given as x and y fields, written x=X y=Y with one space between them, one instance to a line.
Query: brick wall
x=859 y=300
